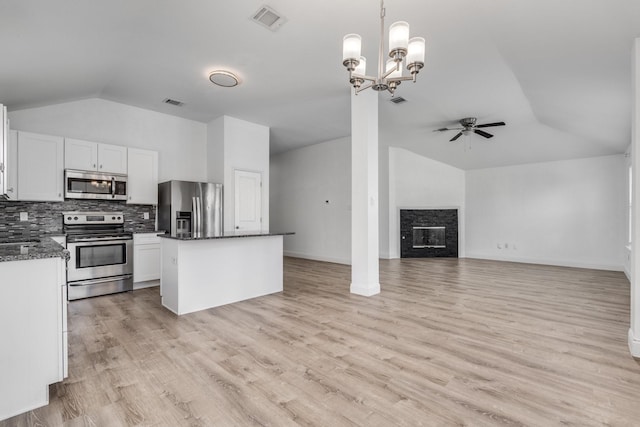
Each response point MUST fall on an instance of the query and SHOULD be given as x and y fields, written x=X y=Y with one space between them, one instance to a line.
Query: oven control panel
x=81 y=218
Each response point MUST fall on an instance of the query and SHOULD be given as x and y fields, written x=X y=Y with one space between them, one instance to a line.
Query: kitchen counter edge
x=45 y=248
x=233 y=235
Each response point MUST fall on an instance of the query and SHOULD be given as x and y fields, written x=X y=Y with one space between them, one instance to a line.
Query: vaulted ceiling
x=558 y=72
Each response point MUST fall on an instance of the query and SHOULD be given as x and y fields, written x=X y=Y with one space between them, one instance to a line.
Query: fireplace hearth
x=428 y=233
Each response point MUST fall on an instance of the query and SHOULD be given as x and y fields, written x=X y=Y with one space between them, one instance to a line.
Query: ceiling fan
x=469 y=125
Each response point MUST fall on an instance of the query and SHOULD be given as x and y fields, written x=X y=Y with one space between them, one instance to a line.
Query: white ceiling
x=557 y=71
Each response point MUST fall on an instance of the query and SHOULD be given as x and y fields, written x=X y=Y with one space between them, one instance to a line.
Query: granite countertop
x=32 y=249
x=225 y=235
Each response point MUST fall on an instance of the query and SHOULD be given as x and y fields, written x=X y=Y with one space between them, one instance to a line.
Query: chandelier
x=401 y=48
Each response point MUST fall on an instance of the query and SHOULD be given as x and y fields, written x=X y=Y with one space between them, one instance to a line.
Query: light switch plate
x=24 y=216
x=145 y=215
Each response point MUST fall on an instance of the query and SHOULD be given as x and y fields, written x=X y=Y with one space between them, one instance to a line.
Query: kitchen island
x=200 y=271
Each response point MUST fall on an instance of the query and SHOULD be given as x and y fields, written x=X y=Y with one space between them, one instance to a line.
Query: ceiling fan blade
x=456 y=137
x=488 y=125
x=483 y=133
x=445 y=129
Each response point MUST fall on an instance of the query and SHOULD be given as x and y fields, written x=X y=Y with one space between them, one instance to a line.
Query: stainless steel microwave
x=94 y=185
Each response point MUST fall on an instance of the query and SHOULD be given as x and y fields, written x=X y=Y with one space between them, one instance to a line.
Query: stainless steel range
x=101 y=254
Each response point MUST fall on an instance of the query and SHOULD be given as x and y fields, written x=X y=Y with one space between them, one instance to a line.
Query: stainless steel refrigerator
x=190 y=207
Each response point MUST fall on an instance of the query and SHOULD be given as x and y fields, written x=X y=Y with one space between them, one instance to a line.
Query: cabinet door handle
x=94 y=165
x=100 y=166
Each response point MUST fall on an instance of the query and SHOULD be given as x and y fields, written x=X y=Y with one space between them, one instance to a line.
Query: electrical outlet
x=145 y=215
x=24 y=216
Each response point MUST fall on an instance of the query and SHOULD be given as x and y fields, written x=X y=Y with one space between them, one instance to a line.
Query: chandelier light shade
x=401 y=49
x=351 y=47
x=398 y=38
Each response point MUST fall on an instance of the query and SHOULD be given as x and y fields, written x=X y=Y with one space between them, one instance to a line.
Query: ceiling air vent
x=398 y=100
x=269 y=18
x=173 y=102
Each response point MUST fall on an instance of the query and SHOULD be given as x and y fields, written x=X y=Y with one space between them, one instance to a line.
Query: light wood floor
x=447 y=342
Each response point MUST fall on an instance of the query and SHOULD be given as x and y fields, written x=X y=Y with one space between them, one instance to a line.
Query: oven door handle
x=101 y=239
x=96 y=281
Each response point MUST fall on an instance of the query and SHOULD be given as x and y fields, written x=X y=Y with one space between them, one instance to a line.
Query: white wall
x=302 y=181
x=416 y=182
x=215 y=151
x=560 y=213
x=634 y=329
x=244 y=146
x=181 y=143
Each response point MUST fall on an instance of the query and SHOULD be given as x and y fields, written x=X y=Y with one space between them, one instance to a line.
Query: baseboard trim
x=634 y=344
x=317 y=257
x=554 y=262
x=365 y=290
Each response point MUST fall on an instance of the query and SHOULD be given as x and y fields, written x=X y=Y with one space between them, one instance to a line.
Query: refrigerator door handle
x=194 y=216
x=199 y=202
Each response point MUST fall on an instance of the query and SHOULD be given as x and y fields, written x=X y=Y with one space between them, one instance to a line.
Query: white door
x=40 y=167
x=81 y=155
x=248 y=198
x=142 y=168
x=112 y=158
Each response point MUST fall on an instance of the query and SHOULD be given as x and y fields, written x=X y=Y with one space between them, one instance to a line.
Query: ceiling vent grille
x=173 y=102
x=398 y=100
x=268 y=18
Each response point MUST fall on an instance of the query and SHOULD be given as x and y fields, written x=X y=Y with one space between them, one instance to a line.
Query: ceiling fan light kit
x=469 y=126
x=401 y=48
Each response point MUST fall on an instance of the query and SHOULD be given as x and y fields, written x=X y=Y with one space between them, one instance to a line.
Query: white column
x=634 y=329
x=364 y=194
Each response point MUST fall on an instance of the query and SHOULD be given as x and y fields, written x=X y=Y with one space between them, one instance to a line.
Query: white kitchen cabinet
x=81 y=155
x=146 y=258
x=112 y=158
x=12 y=166
x=142 y=177
x=33 y=310
x=40 y=167
x=93 y=156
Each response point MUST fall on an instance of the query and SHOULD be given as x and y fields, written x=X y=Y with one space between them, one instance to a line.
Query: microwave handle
x=113 y=187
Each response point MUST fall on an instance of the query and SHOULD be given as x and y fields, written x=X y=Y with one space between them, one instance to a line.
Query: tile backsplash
x=46 y=217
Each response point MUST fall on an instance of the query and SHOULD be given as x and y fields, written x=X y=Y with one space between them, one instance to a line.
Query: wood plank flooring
x=447 y=342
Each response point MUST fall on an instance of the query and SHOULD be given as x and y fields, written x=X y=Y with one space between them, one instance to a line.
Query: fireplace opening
x=429 y=237
x=426 y=233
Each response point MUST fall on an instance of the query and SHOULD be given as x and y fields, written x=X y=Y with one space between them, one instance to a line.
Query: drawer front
x=146 y=239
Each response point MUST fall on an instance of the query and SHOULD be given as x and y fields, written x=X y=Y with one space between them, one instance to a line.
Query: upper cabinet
x=12 y=166
x=112 y=158
x=142 y=177
x=93 y=156
x=40 y=167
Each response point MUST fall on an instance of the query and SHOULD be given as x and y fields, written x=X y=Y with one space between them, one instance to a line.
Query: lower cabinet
x=33 y=311
x=146 y=259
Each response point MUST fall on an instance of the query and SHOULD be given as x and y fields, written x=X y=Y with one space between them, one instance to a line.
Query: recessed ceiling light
x=224 y=78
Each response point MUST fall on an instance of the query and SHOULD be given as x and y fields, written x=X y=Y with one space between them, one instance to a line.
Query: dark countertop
x=225 y=235
x=32 y=249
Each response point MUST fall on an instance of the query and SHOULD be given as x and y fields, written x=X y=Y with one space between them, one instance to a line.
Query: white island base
x=202 y=273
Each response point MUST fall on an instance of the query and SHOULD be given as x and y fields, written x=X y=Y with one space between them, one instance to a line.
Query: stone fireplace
x=428 y=233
